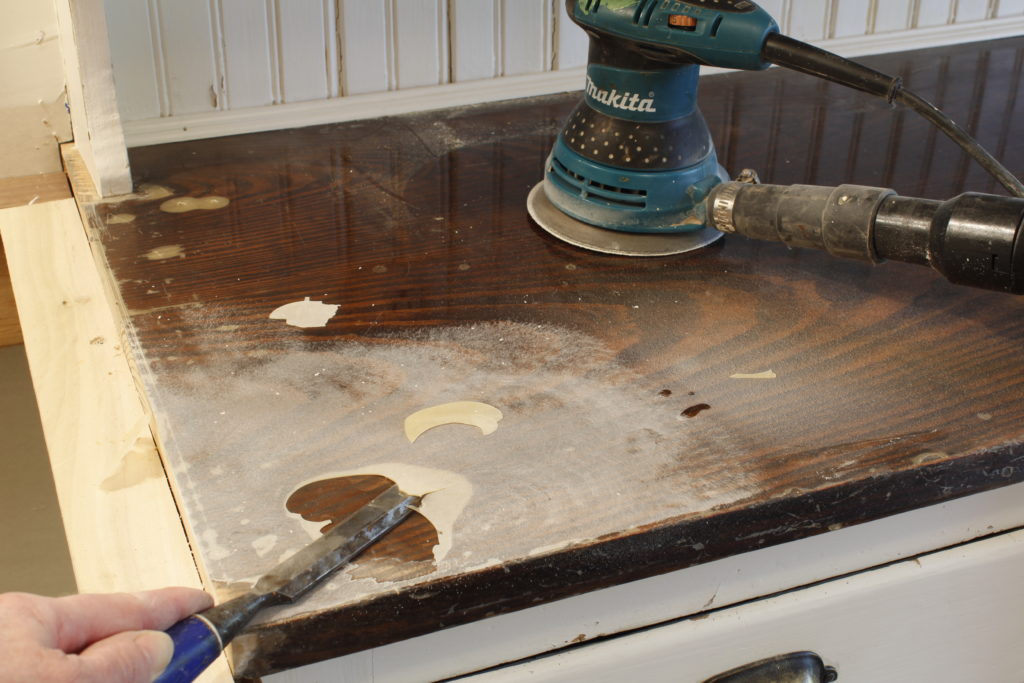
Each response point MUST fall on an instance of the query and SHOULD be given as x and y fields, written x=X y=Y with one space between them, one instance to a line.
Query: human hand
x=113 y=638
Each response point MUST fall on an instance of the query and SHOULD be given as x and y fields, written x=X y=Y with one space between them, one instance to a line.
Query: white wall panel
x=526 y=36
x=302 y=50
x=188 y=58
x=776 y=8
x=474 y=39
x=972 y=10
x=893 y=15
x=139 y=82
x=850 y=18
x=571 y=43
x=933 y=12
x=246 y=40
x=1010 y=8
x=808 y=19
x=184 y=60
x=366 y=46
x=420 y=42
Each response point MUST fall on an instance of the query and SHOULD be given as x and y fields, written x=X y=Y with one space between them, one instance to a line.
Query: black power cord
x=798 y=56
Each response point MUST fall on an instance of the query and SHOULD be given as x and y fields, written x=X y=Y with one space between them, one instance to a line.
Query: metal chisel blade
x=303 y=570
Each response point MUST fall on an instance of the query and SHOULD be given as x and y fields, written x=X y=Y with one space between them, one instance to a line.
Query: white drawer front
x=954 y=616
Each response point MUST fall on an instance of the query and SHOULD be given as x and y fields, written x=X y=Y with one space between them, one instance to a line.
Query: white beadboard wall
x=188 y=69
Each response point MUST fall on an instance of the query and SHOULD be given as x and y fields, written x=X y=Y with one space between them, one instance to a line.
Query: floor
x=35 y=557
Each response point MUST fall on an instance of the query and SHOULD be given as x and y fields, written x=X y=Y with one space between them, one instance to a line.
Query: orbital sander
x=634 y=170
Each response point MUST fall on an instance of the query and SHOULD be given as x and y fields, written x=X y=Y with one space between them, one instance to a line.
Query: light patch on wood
x=767 y=374
x=165 y=252
x=264 y=544
x=120 y=218
x=481 y=415
x=445 y=496
x=305 y=313
x=186 y=204
x=149 y=192
x=140 y=463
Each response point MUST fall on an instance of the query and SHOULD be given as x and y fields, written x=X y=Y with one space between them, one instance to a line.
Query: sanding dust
x=473 y=413
x=120 y=218
x=445 y=496
x=186 y=204
x=585 y=447
x=305 y=313
x=165 y=252
x=767 y=374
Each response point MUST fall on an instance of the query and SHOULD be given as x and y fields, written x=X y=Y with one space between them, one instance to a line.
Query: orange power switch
x=687 y=23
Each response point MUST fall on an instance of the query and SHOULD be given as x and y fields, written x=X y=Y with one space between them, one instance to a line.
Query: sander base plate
x=580 y=234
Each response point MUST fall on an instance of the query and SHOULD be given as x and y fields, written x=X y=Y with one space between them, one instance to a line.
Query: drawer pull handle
x=796 y=667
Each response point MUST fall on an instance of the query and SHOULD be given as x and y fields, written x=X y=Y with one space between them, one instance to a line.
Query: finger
x=78 y=620
x=128 y=657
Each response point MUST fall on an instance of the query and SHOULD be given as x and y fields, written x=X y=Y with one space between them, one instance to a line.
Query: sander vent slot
x=590 y=6
x=594 y=191
x=644 y=11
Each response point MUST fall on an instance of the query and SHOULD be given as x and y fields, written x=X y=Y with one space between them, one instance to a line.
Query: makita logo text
x=626 y=101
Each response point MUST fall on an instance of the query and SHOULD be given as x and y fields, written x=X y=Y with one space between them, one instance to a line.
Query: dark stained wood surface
x=626 y=449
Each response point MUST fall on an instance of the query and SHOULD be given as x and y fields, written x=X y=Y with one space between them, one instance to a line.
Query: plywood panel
x=526 y=36
x=421 y=42
x=366 y=46
x=247 y=44
x=808 y=19
x=893 y=15
x=474 y=39
x=933 y=12
x=136 y=74
x=302 y=50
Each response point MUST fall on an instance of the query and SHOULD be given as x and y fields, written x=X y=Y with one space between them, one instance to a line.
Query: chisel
x=199 y=639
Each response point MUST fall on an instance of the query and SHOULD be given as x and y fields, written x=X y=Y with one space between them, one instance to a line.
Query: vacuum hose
x=973 y=239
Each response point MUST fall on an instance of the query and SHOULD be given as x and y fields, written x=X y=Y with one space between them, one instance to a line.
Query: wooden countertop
x=892 y=389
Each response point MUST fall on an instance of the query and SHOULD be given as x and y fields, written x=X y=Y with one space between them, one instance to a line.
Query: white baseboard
x=318 y=112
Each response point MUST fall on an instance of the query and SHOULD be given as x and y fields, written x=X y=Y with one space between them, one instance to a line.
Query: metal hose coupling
x=973 y=239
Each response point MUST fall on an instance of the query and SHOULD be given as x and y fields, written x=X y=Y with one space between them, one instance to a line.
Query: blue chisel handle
x=196 y=645
x=199 y=639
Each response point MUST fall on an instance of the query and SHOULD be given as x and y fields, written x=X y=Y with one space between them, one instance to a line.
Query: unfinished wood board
x=123 y=530
x=892 y=389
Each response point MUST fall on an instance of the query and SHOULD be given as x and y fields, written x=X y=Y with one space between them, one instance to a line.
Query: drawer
x=953 y=616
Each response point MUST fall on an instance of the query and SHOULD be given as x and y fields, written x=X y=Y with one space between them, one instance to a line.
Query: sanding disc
x=580 y=234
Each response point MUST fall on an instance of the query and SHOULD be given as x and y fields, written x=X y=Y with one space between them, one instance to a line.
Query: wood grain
x=892 y=389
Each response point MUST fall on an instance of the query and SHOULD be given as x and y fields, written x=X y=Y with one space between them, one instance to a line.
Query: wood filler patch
x=481 y=415
x=305 y=313
x=149 y=192
x=165 y=252
x=186 y=204
x=767 y=374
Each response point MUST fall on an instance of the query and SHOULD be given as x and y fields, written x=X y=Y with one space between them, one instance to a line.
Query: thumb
x=129 y=657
